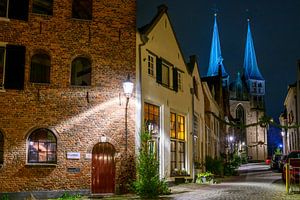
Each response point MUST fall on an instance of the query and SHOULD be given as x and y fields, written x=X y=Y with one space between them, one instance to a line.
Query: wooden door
x=103 y=168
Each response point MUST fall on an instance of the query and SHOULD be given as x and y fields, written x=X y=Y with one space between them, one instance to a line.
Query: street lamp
x=128 y=89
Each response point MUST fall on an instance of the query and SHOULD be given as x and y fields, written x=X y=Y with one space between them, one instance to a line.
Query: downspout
x=144 y=40
x=193 y=134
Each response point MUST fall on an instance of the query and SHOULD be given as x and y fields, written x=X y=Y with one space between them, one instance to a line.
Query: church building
x=246 y=100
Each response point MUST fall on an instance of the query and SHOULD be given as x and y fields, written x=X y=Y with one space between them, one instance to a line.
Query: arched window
x=1 y=149
x=240 y=114
x=42 y=146
x=40 y=68
x=81 y=71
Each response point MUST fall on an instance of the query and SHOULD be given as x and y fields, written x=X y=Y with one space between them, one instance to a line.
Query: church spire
x=216 y=59
x=251 y=70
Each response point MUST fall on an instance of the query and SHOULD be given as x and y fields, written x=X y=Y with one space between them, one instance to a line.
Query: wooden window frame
x=47 y=145
x=151 y=65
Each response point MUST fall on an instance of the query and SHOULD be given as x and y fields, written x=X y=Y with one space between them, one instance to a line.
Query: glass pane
x=42 y=7
x=3 y=8
x=40 y=68
x=81 y=72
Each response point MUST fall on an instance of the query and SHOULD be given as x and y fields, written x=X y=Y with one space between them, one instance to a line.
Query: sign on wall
x=73 y=155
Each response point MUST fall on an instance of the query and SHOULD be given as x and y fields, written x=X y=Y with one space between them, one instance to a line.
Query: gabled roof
x=216 y=59
x=146 y=29
x=251 y=70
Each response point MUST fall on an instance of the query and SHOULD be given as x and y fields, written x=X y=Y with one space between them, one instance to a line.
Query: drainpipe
x=193 y=134
x=139 y=91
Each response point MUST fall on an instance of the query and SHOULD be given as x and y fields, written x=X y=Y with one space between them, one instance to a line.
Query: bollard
x=287 y=177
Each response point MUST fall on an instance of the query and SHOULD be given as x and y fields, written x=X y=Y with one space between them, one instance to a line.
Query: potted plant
x=204 y=177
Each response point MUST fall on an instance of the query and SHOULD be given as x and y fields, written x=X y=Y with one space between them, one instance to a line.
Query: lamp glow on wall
x=128 y=89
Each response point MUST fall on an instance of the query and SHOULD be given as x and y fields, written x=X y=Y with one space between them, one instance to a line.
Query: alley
x=256 y=181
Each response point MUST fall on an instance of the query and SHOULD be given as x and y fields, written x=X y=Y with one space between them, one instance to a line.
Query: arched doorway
x=103 y=168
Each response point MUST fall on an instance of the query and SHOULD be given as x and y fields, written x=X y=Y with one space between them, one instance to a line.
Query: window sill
x=41 y=165
x=82 y=20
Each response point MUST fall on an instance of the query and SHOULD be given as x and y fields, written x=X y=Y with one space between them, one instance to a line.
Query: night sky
x=275 y=26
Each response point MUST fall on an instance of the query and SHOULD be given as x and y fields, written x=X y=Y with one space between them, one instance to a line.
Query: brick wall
x=78 y=116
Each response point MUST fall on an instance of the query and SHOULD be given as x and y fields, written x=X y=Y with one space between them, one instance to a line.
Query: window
x=180 y=81
x=151 y=118
x=42 y=147
x=12 y=67
x=1 y=149
x=14 y=9
x=40 y=68
x=44 y=7
x=82 y=9
x=81 y=72
x=165 y=75
x=150 y=65
x=177 y=135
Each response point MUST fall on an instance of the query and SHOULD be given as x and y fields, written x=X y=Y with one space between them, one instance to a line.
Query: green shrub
x=148 y=183
x=214 y=165
x=4 y=197
x=67 y=196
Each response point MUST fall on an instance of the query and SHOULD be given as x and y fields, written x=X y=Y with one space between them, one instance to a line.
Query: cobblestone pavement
x=256 y=182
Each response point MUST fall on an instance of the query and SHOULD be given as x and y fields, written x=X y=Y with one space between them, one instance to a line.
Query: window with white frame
x=177 y=136
x=13 y=9
x=151 y=65
x=180 y=82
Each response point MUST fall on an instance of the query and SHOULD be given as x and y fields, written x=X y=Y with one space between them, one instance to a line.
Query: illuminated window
x=1 y=149
x=82 y=9
x=177 y=135
x=151 y=118
x=81 y=72
x=14 y=9
x=44 y=7
x=40 y=68
x=150 y=65
x=42 y=147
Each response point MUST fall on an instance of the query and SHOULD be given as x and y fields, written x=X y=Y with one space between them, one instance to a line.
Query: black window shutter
x=175 y=79
x=158 y=70
x=15 y=67
x=18 y=9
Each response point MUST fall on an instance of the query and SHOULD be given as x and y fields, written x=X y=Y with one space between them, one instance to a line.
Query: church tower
x=216 y=60
x=253 y=77
x=247 y=105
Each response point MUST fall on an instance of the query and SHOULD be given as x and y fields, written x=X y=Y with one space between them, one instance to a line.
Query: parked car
x=268 y=160
x=293 y=158
x=282 y=162
x=275 y=161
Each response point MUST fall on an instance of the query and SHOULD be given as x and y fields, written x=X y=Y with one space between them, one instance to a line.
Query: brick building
x=62 y=64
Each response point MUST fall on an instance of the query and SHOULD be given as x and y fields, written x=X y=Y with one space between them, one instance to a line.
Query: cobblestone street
x=256 y=181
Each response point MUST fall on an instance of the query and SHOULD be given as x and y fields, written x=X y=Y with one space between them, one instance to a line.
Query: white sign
x=88 y=156
x=73 y=155
x=103 y=139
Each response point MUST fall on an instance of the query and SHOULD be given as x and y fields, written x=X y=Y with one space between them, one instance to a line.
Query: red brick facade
x=77 y=115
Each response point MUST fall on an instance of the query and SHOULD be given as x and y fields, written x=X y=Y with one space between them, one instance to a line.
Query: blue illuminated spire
x=216 y=59
x=250 y=64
